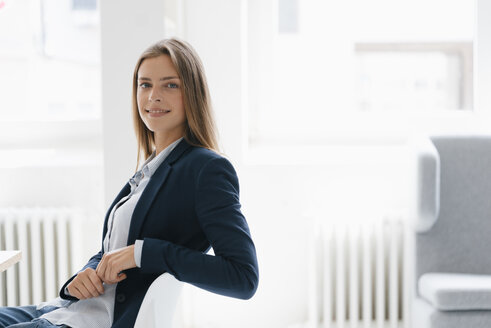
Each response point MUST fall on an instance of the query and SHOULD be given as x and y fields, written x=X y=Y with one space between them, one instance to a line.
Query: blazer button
x=120 y=298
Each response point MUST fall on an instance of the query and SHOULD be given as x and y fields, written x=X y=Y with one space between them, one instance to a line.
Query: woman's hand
x=86 y=284
x=112 y=263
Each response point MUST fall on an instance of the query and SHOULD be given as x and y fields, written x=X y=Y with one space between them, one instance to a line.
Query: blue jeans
x=26 y=317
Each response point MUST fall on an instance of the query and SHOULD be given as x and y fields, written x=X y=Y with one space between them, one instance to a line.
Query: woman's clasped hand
x=89 y=282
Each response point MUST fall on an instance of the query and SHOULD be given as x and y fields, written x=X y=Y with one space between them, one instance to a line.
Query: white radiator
x=358 y=274
x=49 y=239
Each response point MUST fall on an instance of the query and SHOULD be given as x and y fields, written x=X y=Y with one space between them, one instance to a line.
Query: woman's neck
x=162 y=143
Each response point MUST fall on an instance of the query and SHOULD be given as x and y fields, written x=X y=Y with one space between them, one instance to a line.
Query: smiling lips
x=157 y=112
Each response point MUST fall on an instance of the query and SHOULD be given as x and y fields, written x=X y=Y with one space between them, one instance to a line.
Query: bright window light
x=357 y=68
x=49 y=61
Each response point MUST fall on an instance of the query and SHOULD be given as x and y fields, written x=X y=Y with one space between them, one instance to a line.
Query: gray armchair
x=452 y=243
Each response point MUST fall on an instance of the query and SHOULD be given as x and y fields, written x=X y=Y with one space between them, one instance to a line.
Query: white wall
x=127 y=28
x=278 y=200
x=216 y=37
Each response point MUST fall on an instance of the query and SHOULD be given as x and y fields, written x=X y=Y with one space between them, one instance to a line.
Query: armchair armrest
x=456 y=291
x=425 y=189
x=159 y=304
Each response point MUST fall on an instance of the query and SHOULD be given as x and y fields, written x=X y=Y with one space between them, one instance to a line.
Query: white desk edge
x=8 y=259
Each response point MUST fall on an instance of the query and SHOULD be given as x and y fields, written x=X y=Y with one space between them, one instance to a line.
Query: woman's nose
x=154 y=95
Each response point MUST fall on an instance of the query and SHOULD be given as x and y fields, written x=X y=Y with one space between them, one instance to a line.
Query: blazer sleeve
x=233 y=270
x=93 y=263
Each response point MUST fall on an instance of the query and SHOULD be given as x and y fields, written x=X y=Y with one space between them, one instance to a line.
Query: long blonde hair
x=201 y=129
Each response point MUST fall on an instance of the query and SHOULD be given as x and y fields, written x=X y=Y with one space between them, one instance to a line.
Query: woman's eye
x=172 y=85
x=144 y=85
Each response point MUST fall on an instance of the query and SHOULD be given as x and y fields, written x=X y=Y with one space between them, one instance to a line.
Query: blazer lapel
x=156 y=182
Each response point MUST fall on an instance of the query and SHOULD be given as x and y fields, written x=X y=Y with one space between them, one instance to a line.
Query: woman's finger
x=118 y=279
x=101 y=268
x=74 y=291
x=113 y=268
x=96 y=282
x=101 y=264
x=114 y=262
x=83 y=291
x=121 y=277
x=87 y=283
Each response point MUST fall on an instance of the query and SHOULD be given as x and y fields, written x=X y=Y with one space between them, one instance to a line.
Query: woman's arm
x=233 y=271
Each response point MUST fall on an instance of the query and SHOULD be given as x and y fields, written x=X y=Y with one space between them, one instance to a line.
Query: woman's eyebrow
x=161 y=79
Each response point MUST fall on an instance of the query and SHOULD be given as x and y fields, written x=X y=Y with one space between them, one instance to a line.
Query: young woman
x=184 y=200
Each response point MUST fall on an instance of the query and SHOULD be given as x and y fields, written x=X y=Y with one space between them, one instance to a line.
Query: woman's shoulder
x=207 y=164
x=201 y=155
x=200 y=163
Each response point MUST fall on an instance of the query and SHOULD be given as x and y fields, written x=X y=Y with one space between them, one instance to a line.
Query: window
x=287 y=16
x=354 y=71
x=427 y=77
x=53 y=44
x=50 y=83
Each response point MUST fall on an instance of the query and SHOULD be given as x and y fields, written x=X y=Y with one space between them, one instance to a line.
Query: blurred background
x=315 y=101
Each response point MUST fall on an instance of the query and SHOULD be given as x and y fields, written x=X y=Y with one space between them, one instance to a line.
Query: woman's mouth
x=157 y=112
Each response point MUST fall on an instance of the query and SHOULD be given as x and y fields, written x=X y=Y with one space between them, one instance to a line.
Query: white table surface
x=9 y=258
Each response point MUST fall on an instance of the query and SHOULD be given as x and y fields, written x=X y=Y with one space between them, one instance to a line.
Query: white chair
x=159 y=304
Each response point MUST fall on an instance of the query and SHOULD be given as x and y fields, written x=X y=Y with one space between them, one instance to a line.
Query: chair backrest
x=460 y=239
x=159 y=305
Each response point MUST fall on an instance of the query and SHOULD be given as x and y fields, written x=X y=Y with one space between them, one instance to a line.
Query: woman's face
x=160 y=97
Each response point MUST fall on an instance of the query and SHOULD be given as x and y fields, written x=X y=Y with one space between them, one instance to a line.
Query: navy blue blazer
x=190 y=204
